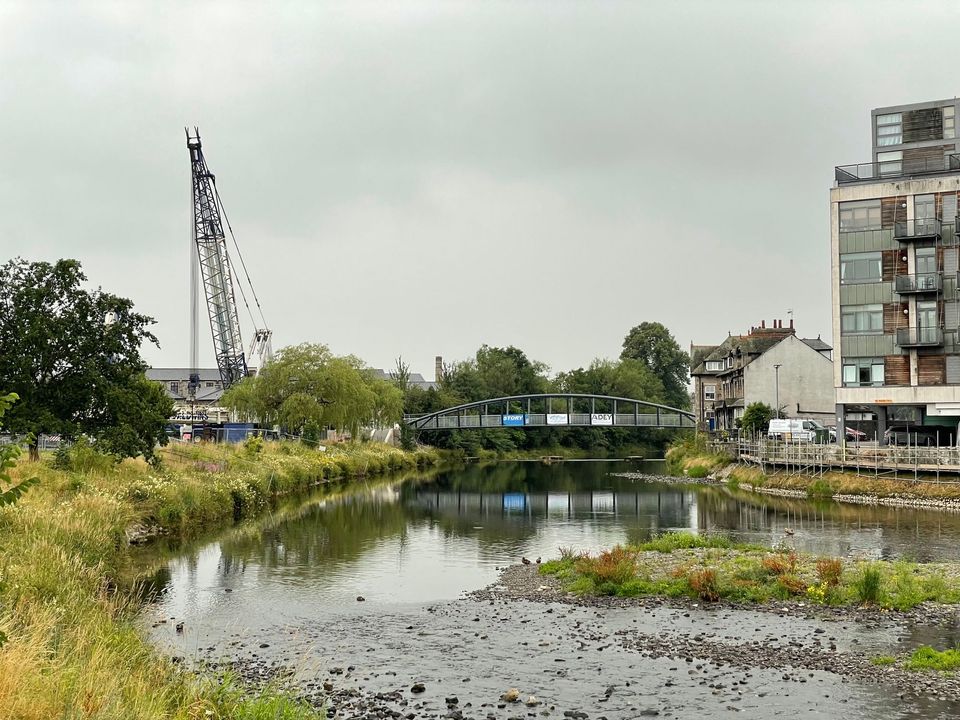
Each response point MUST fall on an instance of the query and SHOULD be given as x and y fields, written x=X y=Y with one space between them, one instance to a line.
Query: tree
x=653 y=345
x=756 y=417
x=307 y=385
x=73 y=357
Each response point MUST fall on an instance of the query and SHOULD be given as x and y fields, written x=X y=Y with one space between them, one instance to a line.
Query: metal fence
x=906 y=462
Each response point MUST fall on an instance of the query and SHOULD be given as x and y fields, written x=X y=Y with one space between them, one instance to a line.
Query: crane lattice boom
x=215 y=268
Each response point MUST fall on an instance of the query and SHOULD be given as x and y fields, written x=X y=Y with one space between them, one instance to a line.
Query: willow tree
x=306 y=385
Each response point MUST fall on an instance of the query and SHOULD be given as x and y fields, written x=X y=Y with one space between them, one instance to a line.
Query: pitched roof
x=177 y=374
x=816 y=343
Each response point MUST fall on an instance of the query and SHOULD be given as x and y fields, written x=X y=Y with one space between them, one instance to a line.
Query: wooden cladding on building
x=896 y=370
x=892 y=209
x=931 y=370
x=893 y=316
x=893 y=264
x=922 y=124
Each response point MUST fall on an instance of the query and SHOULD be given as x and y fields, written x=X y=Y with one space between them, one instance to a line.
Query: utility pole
x=776 y=369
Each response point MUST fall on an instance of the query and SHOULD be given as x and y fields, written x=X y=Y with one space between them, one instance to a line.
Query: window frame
x=860 y=364
x=873 y=313
x=892 y=123
x=949 y=115
x=717 y=365
x=854 y=259
x=860 y=215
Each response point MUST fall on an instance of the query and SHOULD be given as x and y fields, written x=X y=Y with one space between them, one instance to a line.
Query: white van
x=794 y=430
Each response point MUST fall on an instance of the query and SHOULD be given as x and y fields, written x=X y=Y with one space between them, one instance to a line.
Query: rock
x=264 y=645
x=417 y=688
x=360 y=598
x=511 y=695
x=328 y=686
x=180 y=627
x=452 y=700
x=532 y=701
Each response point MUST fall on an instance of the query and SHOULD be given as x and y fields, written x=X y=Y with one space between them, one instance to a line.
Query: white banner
x=601 y=419
x=557 y=419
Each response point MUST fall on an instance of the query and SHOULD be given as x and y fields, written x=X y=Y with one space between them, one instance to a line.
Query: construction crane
x=212 y=264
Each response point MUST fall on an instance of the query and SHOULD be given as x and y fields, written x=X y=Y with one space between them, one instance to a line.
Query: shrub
x=704 y=584
x=791 y=584
x=698 y=471
x=829 y=571
x=780 y=564
x=869 y=585
x=883 y=660
x=820 y=489
x=611 y=566
x=253 y=445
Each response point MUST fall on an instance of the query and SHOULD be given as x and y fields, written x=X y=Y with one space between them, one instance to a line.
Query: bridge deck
x=457 y=422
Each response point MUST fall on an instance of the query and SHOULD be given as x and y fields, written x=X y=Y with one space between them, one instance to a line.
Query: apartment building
x=769 y=365
x=896 y=310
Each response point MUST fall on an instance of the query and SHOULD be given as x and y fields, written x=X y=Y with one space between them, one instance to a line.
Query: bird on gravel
x=788 y=531
x=524 y=561
x=537 y=561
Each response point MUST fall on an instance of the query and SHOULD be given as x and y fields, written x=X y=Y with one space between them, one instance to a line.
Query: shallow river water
x=285 y=590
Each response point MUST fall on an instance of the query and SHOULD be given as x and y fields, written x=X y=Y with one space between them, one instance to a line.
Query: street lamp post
x=776 y=369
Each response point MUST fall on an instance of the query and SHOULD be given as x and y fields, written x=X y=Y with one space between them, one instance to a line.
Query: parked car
x=924 y=435
x=851 y=434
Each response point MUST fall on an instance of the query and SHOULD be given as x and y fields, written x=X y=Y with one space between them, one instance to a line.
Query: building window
x=861 y=319
x=889 y=129
x=949 y=122
x=709 y=392
x=862 y=372
x=175 y=388
x=730 y=361
x=861 y=268
x=863 y=215
x=890 y=163
x=210 y=384
x=714 y=365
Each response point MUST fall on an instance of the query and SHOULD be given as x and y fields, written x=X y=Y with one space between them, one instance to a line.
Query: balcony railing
x=910 y=230
x=907 y=167
x=919 y=283
x=920 y=336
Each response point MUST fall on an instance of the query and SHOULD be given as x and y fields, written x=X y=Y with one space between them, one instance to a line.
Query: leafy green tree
x=495 y=372
x=653 y=345
x=72 y=355
x=756 y=417
x=306 y=384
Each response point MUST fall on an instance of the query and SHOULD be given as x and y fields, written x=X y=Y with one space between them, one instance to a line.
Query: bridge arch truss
x=553 y=410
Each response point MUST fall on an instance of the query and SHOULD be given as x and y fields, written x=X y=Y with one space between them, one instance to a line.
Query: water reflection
x=432 y=538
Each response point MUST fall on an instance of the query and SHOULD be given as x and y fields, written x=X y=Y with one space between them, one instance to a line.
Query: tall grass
x=73 y=649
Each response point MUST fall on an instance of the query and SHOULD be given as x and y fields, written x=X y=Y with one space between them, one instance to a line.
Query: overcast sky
x=421 y=178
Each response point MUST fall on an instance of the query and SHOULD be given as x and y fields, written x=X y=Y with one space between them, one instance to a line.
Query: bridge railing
x=454 y=422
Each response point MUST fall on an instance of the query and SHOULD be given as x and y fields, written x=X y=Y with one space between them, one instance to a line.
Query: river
x=286 y=590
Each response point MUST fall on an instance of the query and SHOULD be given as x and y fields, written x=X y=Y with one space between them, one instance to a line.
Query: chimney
x=438 y=368
x=791 y=323
x=763 y=323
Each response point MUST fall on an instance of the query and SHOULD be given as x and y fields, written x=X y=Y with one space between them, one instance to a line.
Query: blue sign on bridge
x=513 y=420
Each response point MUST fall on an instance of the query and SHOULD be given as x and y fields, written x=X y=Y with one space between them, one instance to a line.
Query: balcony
x=919 y=337
x=890 y=170
x=915 y=230
x=918 y=283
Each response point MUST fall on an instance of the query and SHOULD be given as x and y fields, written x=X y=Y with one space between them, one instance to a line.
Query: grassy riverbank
x=693 y=457
x=72 y=648
x=713 y=568
x=843 y=485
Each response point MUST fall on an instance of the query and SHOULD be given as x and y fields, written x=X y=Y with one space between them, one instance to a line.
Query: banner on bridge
x=601 y=419
x=557 y=419
x=513 y=420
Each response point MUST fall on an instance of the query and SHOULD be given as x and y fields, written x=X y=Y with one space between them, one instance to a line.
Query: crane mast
x=215 y=270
